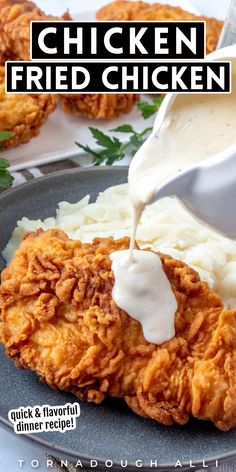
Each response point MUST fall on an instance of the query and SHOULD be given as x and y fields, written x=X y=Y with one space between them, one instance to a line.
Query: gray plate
x=111 y=430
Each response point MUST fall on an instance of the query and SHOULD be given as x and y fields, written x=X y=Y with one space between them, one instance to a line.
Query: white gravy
x=197 y=127
x=144 y=292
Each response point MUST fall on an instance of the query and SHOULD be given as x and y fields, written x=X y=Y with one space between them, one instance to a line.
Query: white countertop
x=12 y=447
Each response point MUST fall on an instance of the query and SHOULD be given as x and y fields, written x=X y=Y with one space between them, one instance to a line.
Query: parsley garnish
x=148 y=109
x=111 y=148
x=6 y=178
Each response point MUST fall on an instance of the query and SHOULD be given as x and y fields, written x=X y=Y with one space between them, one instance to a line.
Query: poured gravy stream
x=196 y=128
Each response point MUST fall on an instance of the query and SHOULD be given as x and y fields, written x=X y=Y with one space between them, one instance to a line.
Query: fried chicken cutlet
x=6 y=52
x=100 y=106
x=122 y=10
x=15 y=18
x=58 y=318
x=24 y=114
x=5 y=48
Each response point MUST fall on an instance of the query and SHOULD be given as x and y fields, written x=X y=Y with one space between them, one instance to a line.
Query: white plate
x=57 y=137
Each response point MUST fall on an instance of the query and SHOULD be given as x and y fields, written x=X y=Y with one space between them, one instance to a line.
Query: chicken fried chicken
x=58 y=318
x=5 y=48
x=24 y=114
x=122 y=10
x=99 y=106
x=15 y=18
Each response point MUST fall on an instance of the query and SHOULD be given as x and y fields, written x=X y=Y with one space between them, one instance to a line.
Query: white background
x=13 y=447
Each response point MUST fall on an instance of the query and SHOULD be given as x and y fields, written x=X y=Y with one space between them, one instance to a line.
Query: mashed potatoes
x=166 y=226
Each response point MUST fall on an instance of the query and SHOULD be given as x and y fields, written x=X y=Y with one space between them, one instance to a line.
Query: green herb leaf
x=6 y=179
x=4 y=135
x=88 y=149
x=123 y=129
x=148 y=109
x=111 y=149
x=136 y=141
x=3 y=163
x=102 y=139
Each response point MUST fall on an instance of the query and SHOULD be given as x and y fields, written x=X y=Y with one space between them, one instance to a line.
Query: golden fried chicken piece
x=99 y=106
x=59 y=319
x=22 y=114
x=15 y=18
x=140 y=11
x=5 y=48
x=121 y=10
x=5 y=44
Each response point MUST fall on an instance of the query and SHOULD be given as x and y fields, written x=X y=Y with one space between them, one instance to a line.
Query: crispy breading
x=140 y=11
x=15 y=18
x=23 y=114
x=99 y=106
x=5 y=48
x=59 y=319
x=121 y=10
